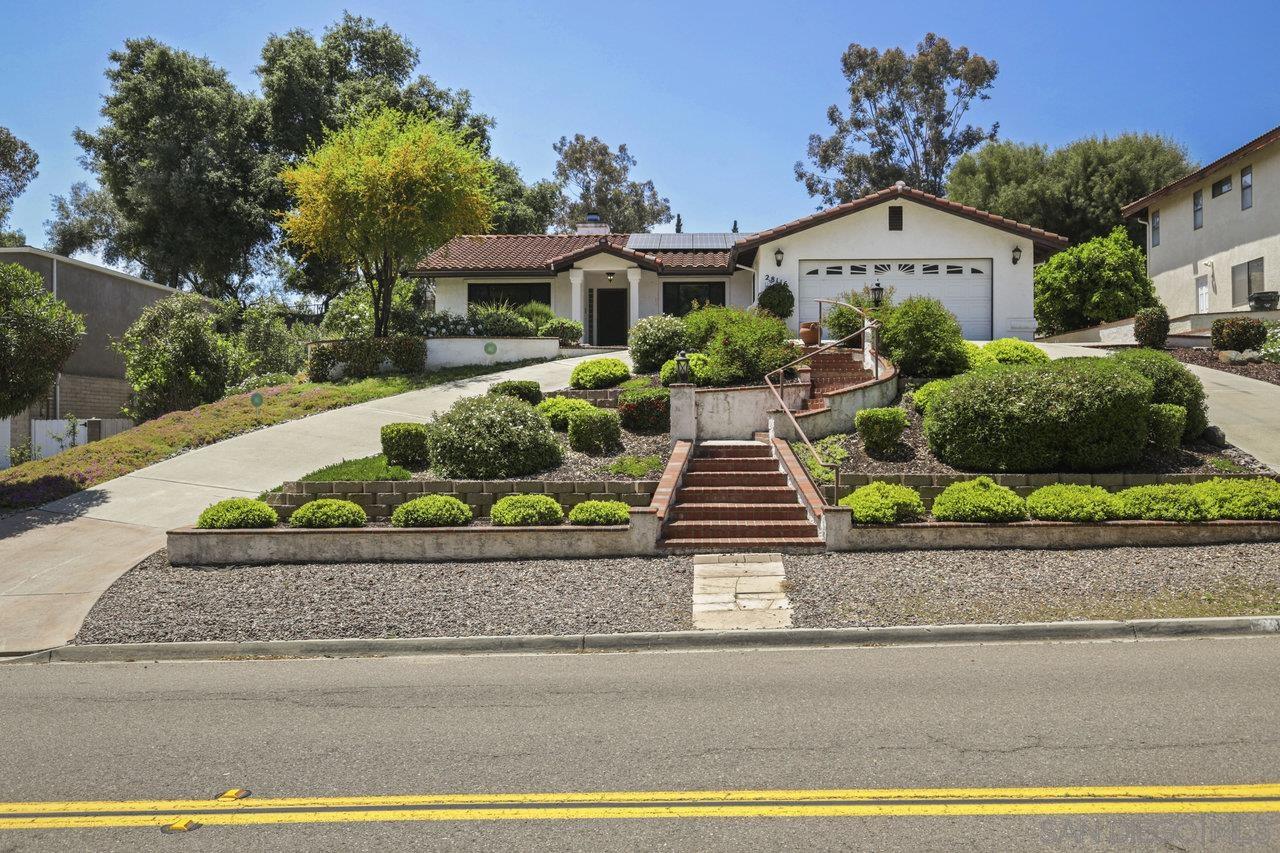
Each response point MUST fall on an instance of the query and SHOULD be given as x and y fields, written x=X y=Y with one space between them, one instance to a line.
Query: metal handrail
x=868 y=324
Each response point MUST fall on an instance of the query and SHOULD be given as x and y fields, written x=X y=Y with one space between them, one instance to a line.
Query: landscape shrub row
x=726 y=345
x=364 y=357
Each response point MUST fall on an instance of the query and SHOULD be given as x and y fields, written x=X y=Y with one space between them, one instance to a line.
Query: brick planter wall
x=380 y=497
x=605 y=398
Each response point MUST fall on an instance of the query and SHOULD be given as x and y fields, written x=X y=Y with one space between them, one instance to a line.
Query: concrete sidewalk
x=55 y=561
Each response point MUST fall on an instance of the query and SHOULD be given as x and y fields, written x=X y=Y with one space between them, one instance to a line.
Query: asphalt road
x=1153 y=713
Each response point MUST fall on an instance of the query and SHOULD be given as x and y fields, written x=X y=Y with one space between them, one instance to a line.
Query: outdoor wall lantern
x=609 y=275
x=777 y=256
x=877 y=294
x=1017 y=254
x=682 y=367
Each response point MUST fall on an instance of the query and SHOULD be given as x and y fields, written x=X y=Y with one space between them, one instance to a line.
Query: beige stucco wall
x=1230 y=236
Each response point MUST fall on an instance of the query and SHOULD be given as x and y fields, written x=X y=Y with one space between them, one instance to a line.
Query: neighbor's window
x=514 y=294
x=678 y=297
x=1246 y=279
x=1197 y=209
x=1246 y=188
x=1222 y=186
x=1155 y=228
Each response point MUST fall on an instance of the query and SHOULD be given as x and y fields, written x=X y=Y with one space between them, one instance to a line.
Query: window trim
x=1246 y=189
x=1220 y=187
x=679 y=282
x=1197 y=210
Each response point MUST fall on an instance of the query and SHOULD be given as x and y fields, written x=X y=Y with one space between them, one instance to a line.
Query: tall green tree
x=18 y=162
x=598 y=180
x=38 y=333
x=384 y=191
x=904 y=120
x=522 y=208
x=1076 y=190
x=1098 y=281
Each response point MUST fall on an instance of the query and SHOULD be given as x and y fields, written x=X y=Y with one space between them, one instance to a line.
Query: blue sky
x=716 y=100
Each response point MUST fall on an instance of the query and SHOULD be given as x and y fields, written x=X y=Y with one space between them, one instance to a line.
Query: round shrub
x=1014 y=351
x=558 y=409
x=526 y=511
x=977 y=358
x=1062 y=502
x=599 y=373
x=522 y=389
x=407 y=444
x=594 y=430
x=655 y=339
x=1165 y=502
x=699 y=370
x=499 y=321
x=881 y=429
x=1237 y=333
x=1239 y=498
x=1085 y=414
x=705 y=323
x=645 y=409
x=432 y=511
x=979 y=500
x=568 y=331
x=928 y=393
x=1166 y=426
x=778 y=300
x=1151 y=327
x=491 y=437
x=884 y=503
x=755 y=343
x=923 y=339
x=238 y=514
x=1172 y=383
x=320 y=363
x=600 y=513
x=537 y=313
x=328 y=512
x=174 y=357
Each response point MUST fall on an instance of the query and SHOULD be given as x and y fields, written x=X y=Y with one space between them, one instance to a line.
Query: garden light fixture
x=777 y=256
x=609 y=275
x=1017 y=254
x=877 y=294
x=682 y=367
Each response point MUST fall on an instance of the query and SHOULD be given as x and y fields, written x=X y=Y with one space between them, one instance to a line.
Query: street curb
x=785 y=638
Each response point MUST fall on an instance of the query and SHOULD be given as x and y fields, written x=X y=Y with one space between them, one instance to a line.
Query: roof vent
x=592 y=225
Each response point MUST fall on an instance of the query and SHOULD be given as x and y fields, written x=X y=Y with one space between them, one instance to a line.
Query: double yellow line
x=857 y=802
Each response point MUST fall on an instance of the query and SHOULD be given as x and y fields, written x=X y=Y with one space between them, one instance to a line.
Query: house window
x=1197 y=209
x=1246 y=279
x=1246 y=188
x=1221 y=186
x=895 y=217
x=512 y=294
x=678 y=297
x=1155 y=228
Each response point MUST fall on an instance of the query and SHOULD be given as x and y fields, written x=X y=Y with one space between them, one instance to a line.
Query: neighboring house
x=978 y=264
x=1213 y=237
x=92 y=383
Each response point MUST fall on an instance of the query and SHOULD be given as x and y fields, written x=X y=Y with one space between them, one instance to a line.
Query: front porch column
x=576 y=277
x=633 y=292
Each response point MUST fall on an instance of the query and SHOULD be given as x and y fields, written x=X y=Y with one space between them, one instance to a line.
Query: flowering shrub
x=654 y=340
x=444 y=324
x=645 y=409
x=491 y=437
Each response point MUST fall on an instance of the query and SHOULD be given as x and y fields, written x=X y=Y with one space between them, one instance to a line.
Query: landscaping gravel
x=157 y=602
x=1005 y=586
x=1266 y=371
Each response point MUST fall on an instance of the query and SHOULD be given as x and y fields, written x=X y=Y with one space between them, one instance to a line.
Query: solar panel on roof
x=708 y=242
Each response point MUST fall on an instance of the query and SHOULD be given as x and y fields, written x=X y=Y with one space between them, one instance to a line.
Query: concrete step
x=801 y=545
x=736 y=494
x=742 y=463
x=738 y=512
x=734 y=478
x=739 y=529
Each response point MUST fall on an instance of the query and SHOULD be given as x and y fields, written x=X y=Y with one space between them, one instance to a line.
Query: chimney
x=593 y=225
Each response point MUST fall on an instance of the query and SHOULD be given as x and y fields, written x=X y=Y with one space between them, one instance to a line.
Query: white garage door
x=961 y=284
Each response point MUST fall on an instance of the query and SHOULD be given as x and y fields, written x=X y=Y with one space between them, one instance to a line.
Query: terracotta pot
x=810 y=334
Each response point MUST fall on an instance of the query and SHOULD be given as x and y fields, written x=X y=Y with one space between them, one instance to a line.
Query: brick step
x=730 y=529
x=736 y=494
x=801 y=545
x=742 y=463
x=732 y=451
x=738 y=512
x=734 y=478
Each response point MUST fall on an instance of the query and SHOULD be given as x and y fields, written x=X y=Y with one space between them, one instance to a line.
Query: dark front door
x=611 y=318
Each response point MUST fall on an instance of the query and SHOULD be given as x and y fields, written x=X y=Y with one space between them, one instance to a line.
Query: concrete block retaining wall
x=605 y=398
x=380 y=497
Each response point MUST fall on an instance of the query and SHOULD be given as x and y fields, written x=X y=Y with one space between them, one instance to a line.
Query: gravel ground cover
x=157 y=602
x=1006 y=586
x=1266 y=371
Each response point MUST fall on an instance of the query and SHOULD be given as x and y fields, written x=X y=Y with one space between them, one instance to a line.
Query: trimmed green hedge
x=928 y=393
x=431 y=511
x=699 y=370
x=1166 y=426
x=881 y=429
x=1171 y=383
x=1015 y=351
x=594 y=430
x=923 y=339
x=645 y=410
x=599 y=373
x=1165 y=502
x=884 y=503
x=600 y=513
x=526 y=511
x=558 y=409
x=979 y=500
x=407 y=444
x=328 y=512
x=238 y=514
x=522 y=389
x=1064 y=502
x=491 y=437
x=1238 y=498
x=364 y=357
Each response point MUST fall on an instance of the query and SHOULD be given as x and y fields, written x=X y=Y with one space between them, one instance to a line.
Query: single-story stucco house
x=977 y=263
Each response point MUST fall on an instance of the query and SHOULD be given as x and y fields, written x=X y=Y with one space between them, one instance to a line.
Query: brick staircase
x=735 y=497
x=831 y=371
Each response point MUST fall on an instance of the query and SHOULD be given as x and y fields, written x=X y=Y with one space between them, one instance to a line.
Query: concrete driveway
x=56 y=560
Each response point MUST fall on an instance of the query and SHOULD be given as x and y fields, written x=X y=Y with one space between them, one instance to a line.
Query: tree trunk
x=385 y=277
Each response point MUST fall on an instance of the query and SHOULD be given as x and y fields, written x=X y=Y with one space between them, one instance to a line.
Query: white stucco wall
x=1230 y=236
x=927 y=233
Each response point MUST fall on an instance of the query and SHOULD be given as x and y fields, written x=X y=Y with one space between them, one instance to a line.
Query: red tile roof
x=545 y=253
x=1247 y=150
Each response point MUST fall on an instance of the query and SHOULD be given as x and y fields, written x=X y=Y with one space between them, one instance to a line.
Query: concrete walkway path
x=56 y=560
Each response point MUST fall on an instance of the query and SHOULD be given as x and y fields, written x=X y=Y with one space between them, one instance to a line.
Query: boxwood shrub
x=1015 y=351
x=431 y=511
x=557 y=410
x=1240 y=498
x=1165 y=502
x=654 y=340
x=645 y=409
x=979 y=500
x=407 y=444
x=238 y=514
x=1172 y=383
x=1237 y=333
x=925 y=396
x=522 y=389
x=1064 y=502
x=1151 y=327
x=1085 y=414
x=599 y=373
x=526 y=511
x=699 y=370
x=977 y=358
x=1167 y=424
x=778 y=300
x=491 y=437
x=329 y=512
x=884 y=503
x=600 y=513
x=881 y=429
x=923 y=339
x=594 y=430
x=568 y=331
